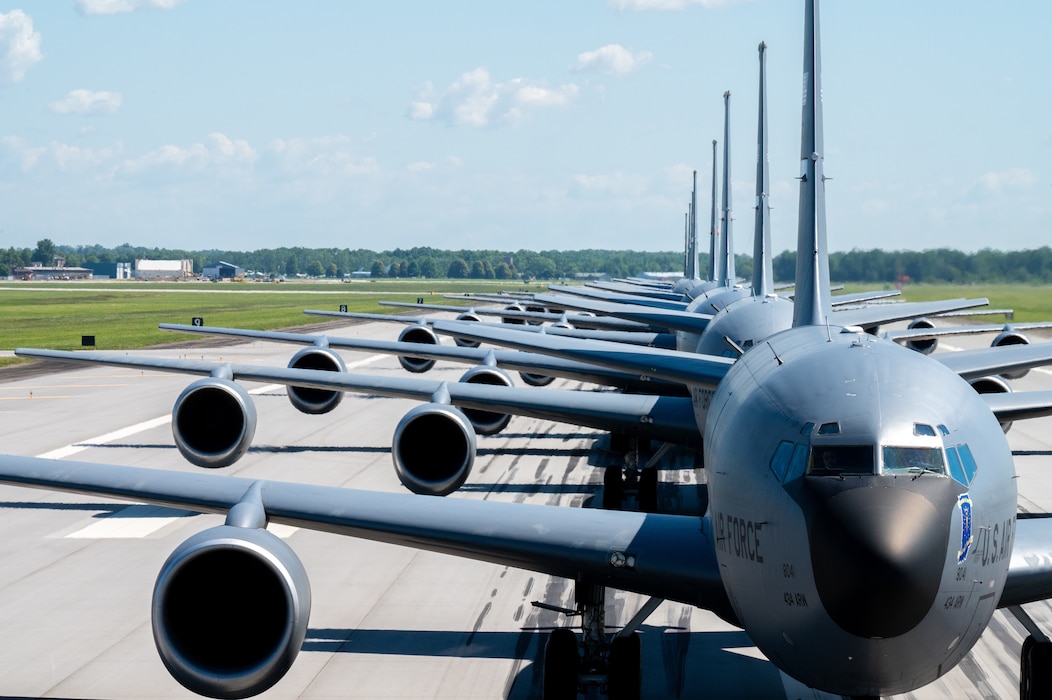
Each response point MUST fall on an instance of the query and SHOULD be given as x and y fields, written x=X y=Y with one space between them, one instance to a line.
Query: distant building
x=58 y=271
x=113 y=271
x=223 y=271
x=164 y=269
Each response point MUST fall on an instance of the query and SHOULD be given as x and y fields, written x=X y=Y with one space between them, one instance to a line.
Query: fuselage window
x=913 y=460
x=781 y=459
x=798 y=463
x=956 y=468
x=835 y=460
x=970 y=467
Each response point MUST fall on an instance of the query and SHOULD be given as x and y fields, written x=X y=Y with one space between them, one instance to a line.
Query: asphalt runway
x=77 y=573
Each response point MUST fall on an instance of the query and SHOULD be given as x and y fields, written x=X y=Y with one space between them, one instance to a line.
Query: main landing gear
x=593 y=663
x=1035 y=662
x=633 y=480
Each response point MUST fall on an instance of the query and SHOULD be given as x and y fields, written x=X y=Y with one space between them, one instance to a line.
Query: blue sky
x=245 y=124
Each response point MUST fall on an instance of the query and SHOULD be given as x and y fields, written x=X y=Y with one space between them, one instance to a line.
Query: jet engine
x=486 y=422
x=514 y=321
x=417 y=334
x=316 y=401
x=926 y=346
x=465 y=342
x=992 y=385
x=1011 y=337
x=230 y=611
x=213 y=422
x=536 y=379
x=433 y=449
x=537 y=310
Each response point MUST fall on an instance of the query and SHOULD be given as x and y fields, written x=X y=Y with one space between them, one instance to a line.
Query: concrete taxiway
x=77 y=573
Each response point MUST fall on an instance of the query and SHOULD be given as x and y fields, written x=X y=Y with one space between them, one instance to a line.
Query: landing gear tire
x=613 y=488
x=1035 y=670
x=648 y=499
x=624 y=675
x=561 y=665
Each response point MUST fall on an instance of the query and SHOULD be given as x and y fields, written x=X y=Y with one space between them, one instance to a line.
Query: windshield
x=914 y=460
x=834 y=460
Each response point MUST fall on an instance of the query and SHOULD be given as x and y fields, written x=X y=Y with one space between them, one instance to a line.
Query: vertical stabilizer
x=714 y=230
x=727 y=275
x=693 y=229
x=811 y=299
x=686 y=243
x=763 y=266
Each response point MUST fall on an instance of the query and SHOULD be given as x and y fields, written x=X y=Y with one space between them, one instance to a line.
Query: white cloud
x=219 y=151
x=19 y=45
x=419 y=167
x=62 y=156
x=1000 y=182
x=643 y=5
x=476 y=100
x=327 y=156
x=613 y=59
x=88 y=102
x=114 y=7
x=615 y=184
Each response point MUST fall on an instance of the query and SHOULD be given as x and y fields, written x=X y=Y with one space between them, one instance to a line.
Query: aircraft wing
x=901 y=336
x=668 y=556
x=982 y=362
x=687 y=368
x=1030 y=569
x=668 y=418
x=619 y=298
x=859 y=297
x=673 y=319
x=514 y=360
x=881 y=314
x=1020 y=405
x=577 y=320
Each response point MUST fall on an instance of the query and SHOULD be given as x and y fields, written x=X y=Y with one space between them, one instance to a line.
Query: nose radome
x=878 y=553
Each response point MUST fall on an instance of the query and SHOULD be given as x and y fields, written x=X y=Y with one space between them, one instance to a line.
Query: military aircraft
x=862 y=525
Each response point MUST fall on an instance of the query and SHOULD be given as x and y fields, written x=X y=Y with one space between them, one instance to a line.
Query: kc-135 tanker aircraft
x=861 y=526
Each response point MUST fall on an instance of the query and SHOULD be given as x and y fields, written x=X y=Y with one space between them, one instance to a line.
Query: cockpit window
x=913 y=460
x=970 y=467
x=829 y=428
x=835 y=460
x=956 y=468
x=923 y=429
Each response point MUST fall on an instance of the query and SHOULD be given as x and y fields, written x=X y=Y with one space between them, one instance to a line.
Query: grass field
x=124 y=315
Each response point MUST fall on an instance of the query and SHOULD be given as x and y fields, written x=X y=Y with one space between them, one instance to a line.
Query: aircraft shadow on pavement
x=673 y=658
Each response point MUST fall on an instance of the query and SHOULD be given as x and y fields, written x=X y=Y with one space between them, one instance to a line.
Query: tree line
x=943 y=266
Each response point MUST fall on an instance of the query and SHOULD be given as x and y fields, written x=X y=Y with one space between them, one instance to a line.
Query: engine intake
x=486 y=422
x=433 y=449
x=514 y=321
x=1010 y=337
x=230 y=611
x=924 y=346
x=993 y=385
x=465 y=342
x=213 y=422
x=417 y=334
x=536 y=379
x=316 y=401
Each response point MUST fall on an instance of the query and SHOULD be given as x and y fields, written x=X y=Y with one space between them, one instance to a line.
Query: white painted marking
x=70 y=450
x=282 y=531
x=131 y=522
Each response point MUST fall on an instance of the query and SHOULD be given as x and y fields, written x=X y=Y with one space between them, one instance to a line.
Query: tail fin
x=692 y=241
x=763 y=266
x=727 y=276
x=811 y=301
x=714 y=229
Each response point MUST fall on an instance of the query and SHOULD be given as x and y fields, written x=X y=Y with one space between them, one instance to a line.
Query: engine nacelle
x=230 y=611
x=993 y=385
x=514 y=321
x=537 y=310
x=316 y=401
x=1010 y=337
x=465 y=342
x=433 y=449
x=926 y=346
x=213 y=422
x=417 y=334
x=486 y=422
x=536 y=379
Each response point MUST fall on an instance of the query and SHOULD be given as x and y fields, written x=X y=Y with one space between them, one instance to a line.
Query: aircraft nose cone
x=878 y=552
